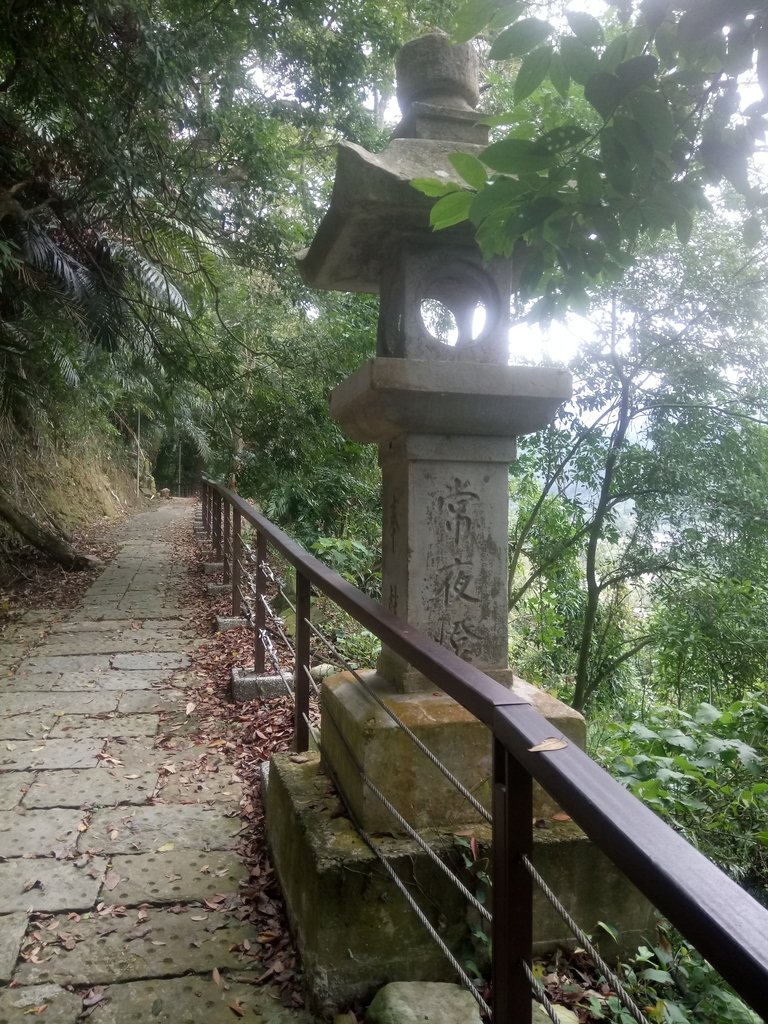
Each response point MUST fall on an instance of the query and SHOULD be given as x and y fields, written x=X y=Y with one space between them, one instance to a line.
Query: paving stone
x=12 y=928
x=13 y=786
x=190 y=678
x=150 y=606
x=48 y=885
x=63 y=682
x=193 y=998
x=91 y=787
x=12 y=651
x=196 y=786
x=22 y=633
x=142 y=701
x=136 y=756
x=99 y=611
x=40 y=615
x=28 y=682
x=179 y=876
x=20 y=1005
x=69 y=753
x=147 y=829
x=93 y=643
x=170 y=626
x=67 y=663
x=22 y=727
x=70 y=702
x=147 y=662
x=38 y=833
x=106 y=952
x=106 y=725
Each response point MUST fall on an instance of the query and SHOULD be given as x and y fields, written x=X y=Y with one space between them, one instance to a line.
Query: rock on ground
x=423 y=1002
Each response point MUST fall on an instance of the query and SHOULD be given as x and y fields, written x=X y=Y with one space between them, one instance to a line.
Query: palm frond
x=154 y=285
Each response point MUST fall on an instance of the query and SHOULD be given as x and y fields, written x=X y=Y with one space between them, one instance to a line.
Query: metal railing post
x=301 y=668
x=217 y=526
x=512 y=888
x=260 y=612
x=237 y=557
x=205 y=496
x=227 y=568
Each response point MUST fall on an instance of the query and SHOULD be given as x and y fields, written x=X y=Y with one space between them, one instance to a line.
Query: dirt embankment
x=76 y=487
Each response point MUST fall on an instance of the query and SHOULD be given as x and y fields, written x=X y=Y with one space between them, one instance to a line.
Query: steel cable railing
x=471 y=899
x=585 y=941
x=719 y=918
x=272 y=656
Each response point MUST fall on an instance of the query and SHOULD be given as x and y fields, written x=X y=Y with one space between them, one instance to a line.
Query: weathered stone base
x=247 y=685
x=421 y=793
x=355 y=931
x=227 y=622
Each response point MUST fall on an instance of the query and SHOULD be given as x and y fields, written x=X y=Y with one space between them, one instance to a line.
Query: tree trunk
x=44 y=539
x=584 y=686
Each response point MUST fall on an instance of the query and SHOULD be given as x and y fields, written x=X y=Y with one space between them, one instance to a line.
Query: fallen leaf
x=94 y=996
x=111 y=880
x=216 y=976
x=550 y=743
x=33 y=883
x=37 y=1009
x=139 y=932
x=134 y=775
x=561 y=816
x=190 y=707
x=237 y=1009
x=166 y=848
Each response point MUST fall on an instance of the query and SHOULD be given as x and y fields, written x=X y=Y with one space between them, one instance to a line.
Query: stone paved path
x=99 y=886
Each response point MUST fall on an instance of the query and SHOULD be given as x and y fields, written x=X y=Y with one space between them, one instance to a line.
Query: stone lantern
x=444 y=407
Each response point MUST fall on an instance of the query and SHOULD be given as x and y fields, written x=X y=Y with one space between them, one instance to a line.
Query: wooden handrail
x=715 y=914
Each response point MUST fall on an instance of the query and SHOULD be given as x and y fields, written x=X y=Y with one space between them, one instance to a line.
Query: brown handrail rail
x=716 y=915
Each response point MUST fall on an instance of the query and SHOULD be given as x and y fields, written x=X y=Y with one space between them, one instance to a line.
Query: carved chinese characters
x=445 y=522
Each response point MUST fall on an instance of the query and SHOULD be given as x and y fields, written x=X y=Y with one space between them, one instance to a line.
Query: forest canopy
x=162 y=161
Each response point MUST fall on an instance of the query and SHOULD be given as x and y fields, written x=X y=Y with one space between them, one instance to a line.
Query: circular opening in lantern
x=459 y=305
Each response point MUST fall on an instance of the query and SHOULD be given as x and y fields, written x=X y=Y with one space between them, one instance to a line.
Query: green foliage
x=545 y=619
x=647 y=104
x=710 y=633
x=295 y=460
x=353 y=560
x=705 y=773
x=674 y=985
x=149 y=152
x=473 y=868
x=649 y=488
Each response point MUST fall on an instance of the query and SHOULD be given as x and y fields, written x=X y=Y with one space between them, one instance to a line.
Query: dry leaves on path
x=239 y=737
